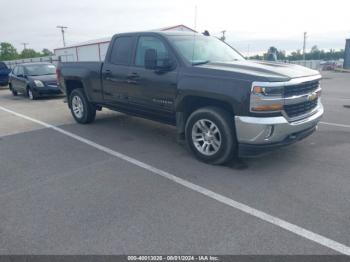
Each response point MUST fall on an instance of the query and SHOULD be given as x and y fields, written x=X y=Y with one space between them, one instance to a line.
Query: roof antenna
x=195 y=17
x=194 y=33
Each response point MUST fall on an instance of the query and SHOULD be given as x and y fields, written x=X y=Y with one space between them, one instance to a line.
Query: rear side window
x=122 y=50
x=3 y=65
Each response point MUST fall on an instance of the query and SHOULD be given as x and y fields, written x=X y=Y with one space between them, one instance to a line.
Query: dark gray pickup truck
x=222 y=104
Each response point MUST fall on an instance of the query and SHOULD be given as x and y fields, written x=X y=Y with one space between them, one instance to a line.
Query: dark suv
x=4 y=74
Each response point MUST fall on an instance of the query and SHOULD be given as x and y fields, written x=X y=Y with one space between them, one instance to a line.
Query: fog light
x=268 y=132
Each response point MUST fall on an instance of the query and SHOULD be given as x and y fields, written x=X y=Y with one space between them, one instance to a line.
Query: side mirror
x=151 y=59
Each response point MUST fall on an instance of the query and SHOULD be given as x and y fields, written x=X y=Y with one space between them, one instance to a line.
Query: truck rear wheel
x=210 y=135
x=82 y=110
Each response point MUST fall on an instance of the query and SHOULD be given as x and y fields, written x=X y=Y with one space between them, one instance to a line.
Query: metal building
x=95 y=50
x=347 y=54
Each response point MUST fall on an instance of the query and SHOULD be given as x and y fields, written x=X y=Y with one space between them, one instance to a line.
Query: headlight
x=38 y=83
x=266 y=99
x=268 y=91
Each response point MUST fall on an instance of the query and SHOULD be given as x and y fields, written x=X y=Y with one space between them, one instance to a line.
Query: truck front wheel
x=210 y=135
x=82 y=110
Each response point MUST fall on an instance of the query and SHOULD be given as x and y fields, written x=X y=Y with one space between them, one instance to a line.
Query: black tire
x=31 y=94
x=88 y=109
x=224 y=122
x=14 y=92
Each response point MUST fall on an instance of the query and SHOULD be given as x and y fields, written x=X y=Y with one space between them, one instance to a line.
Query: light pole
x=62 y=31
x=223 y=37
x=304 y=45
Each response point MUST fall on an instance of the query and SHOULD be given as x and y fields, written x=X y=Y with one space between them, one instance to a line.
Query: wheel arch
x=71 y=84
x=191 y=103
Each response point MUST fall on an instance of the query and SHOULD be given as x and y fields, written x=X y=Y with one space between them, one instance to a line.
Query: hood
x=44 y=78
x=271 y=71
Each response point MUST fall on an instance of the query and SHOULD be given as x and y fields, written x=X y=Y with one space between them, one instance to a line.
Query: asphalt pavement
x=78 y=194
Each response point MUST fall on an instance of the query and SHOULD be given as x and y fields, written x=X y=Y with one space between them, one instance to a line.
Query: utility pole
x=24 y=45
x=62 y=31
x=223 y=38
x=304 y=45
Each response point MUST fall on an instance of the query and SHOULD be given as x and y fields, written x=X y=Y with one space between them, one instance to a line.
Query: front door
x=153 y=90
x=19 y=80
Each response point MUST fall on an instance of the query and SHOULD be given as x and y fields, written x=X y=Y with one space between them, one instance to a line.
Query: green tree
x=272 y=50
x=7 y=51
x=29 y=53
x=46 y=52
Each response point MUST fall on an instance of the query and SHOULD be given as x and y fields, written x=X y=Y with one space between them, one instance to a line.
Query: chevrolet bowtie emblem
x=312 y=96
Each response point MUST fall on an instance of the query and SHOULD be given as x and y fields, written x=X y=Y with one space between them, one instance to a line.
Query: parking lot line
x=335 y=124
x=324 y=241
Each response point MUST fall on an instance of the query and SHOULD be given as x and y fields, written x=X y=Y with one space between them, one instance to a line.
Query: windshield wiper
x=201 y=62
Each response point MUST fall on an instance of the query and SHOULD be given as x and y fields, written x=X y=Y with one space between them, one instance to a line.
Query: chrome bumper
x=273 y=130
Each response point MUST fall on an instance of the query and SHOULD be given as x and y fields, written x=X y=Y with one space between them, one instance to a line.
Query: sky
x=252 y=25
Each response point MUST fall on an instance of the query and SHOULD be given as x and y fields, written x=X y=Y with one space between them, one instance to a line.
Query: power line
x=62 y=31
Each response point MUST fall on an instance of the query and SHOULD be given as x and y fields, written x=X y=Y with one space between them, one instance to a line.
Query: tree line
x=9 y=52
x=314 y=54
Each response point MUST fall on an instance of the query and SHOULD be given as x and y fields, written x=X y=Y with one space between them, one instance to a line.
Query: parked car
x=34 y=80
x=4 y=74
x=221 y=104
x=328 y=65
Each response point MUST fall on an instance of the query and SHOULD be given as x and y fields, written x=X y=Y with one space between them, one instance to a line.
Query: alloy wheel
x=206 y=137
x=78 y=106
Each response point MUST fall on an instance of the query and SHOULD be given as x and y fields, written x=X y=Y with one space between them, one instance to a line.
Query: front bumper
x=257 y=134
x=47 y=90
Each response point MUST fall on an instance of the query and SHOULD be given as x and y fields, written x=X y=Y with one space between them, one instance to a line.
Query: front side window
x=122 y=50
x=150 y=42
x=40 y=69
x=204 y=49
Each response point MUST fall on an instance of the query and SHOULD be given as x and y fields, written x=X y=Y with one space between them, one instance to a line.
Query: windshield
x=199 y=49
x=40 y=69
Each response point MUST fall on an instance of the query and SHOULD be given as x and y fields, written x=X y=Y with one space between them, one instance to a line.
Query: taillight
x=57 y=74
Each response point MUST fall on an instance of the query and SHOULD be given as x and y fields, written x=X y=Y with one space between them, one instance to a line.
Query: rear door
x=116 y=70
x=153 y=90
x=21 y=80
x=12 y=76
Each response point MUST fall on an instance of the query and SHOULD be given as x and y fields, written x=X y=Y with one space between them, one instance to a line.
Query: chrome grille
x=300 y=108
x=300 y=89
x=51 y=83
